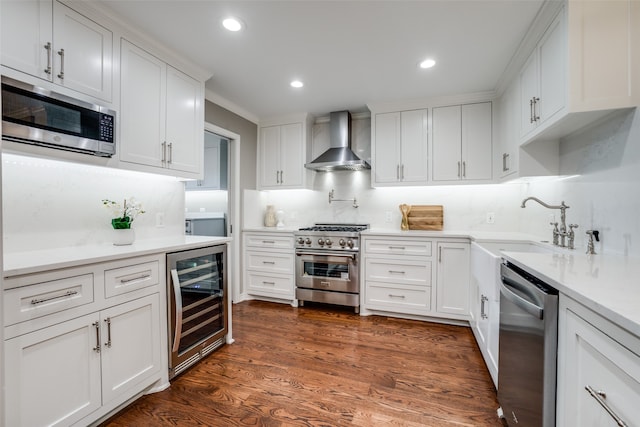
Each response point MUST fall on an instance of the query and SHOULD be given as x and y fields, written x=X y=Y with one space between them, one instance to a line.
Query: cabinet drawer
x=398 y=247
x=408 y=272
x=121 y=280
x=268 y=241
x=270 y=285
x=269 y=262
x=388 y=297
x=34 y=301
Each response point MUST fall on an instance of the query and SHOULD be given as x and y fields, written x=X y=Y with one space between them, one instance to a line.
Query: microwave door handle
x=522 y=303
x=178 y=300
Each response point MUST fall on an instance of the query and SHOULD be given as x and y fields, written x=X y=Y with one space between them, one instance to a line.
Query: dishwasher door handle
x=527 y=306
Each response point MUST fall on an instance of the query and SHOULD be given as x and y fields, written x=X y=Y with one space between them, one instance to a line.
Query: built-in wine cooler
x=197 y=305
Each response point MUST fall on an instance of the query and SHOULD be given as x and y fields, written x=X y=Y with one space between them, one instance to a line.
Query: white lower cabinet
x=83 y=341
x=416 y=275
x=598 y=370
x=269 y=265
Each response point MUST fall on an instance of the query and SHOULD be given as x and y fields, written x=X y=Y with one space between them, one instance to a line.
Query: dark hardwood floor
x=325 y=366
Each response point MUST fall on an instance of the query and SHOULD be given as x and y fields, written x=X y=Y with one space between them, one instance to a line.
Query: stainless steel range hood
x=339 y=156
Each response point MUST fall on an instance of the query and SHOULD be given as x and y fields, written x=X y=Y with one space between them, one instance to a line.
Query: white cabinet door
x=452 y=278
x=291 y=156
x=528 y=94
x=387 y=148
x=552 y=70
x=184 y=122
x=142 y=107
x=53 y=374
x=269 y=157
x=130 y=345
x=26 y=30
x=413 y=143
x=476 y=141
x=447 y=149
x=507 y=139
x=83 y=57
x=590 y=358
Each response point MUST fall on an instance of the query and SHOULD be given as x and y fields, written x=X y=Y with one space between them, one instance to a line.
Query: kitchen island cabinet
x=598 y=369
x=52 y=42
x=162 y=116
x=81 y=341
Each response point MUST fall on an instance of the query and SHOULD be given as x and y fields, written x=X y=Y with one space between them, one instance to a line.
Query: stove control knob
x=300 y=241
x=321 y=242
x=329 y=242
x=342 y=242
x=308 y=241
x=350 y=243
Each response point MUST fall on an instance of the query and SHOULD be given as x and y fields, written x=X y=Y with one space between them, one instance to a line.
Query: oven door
x=327 y=271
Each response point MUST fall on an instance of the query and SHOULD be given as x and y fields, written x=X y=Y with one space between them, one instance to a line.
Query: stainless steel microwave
x=35 y=115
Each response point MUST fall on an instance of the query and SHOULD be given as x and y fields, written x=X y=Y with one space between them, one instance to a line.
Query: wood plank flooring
x=325 y=366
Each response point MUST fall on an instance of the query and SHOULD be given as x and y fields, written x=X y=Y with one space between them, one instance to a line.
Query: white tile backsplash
x=50 y=204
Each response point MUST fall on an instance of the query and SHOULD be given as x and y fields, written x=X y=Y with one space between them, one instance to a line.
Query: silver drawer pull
x=599 y=396
x=268 y=242
x=396 y=296
x=108 y=322
x=133 y=279
x=268 y=283
x=268 y=262
x=36 y=301
x=97 y=326
x=402 y=248
x=396 y=272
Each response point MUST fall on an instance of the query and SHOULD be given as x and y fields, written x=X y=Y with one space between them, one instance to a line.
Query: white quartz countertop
x=607 y=284
x=19 y=263
x=477 y=236
x=270 y=229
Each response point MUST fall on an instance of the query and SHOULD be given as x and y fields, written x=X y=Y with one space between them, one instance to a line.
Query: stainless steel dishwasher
x=528 y=348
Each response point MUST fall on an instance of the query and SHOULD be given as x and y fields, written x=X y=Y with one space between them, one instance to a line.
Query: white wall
x=600 y=183
x=50 y=204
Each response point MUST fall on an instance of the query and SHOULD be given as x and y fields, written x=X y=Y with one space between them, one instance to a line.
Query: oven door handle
x=178 y=300
x=342 y=255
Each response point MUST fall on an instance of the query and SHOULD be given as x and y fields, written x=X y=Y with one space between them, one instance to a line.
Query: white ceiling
x=348 y=53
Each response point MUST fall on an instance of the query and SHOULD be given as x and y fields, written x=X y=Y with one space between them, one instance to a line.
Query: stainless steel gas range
x=328 y=263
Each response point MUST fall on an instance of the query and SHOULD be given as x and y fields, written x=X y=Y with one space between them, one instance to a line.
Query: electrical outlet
x=160 y=219
x=388 y=216
x=491 y=217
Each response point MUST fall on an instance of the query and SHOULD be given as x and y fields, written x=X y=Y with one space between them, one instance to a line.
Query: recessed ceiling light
x=427 y=63
x=296 y=84
x=232 y=24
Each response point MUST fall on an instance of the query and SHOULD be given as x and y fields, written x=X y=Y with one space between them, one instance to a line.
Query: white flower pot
x=123 y=236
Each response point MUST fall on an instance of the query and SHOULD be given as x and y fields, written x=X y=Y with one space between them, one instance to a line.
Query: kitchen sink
x=497 y=247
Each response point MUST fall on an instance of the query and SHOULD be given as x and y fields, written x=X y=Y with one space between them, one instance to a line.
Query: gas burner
x=330 y=237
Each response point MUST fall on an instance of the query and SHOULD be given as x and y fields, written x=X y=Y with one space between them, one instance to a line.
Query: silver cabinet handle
x=108 y=322
x=61 y=74
x=464 y=169
x=398 y=172
x=483 y=299
x=402 y=248
x=277 y=177
x=268 y=242
x=402 y=172
x=178 y=298
x=48 y=48
x=599 y=396
x=170 y=152
x=458 y=169
x=281 y=177
x=268 y=283
x=531 y=110
x=37 y=301
x=164 y=151
x=397 y=272
x=505 y=166
x=396 y=296
x=97 y=326
x=268 y=262
x=440 y=254
x=536 y=117
x=144 y=276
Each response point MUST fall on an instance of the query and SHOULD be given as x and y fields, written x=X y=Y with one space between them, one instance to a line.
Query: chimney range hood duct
x=339 y=156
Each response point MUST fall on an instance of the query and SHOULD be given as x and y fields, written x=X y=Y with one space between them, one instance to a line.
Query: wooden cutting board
x=426 y=217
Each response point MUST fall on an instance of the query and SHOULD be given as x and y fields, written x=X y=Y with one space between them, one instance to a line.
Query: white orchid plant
x=124 y=213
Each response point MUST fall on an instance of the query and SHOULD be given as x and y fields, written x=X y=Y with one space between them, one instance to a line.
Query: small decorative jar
x=270 y=219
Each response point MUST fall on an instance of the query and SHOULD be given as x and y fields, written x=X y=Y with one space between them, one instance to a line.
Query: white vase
x=270 y=216
x=123 y=236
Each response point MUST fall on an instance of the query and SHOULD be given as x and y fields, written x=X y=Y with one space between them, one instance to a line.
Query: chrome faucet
x=560 y=232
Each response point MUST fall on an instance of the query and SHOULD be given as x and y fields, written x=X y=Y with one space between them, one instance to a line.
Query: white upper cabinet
x=162 y=116
x=400 y=148
x=462 y=142
x=50 y=41
x=584 y=65
x=282 y=151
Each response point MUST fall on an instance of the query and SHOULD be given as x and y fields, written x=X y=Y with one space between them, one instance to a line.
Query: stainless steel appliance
x=528 y=344
x=328 y=263
x=206 y=226
x=34 y=115
x=197 y=306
